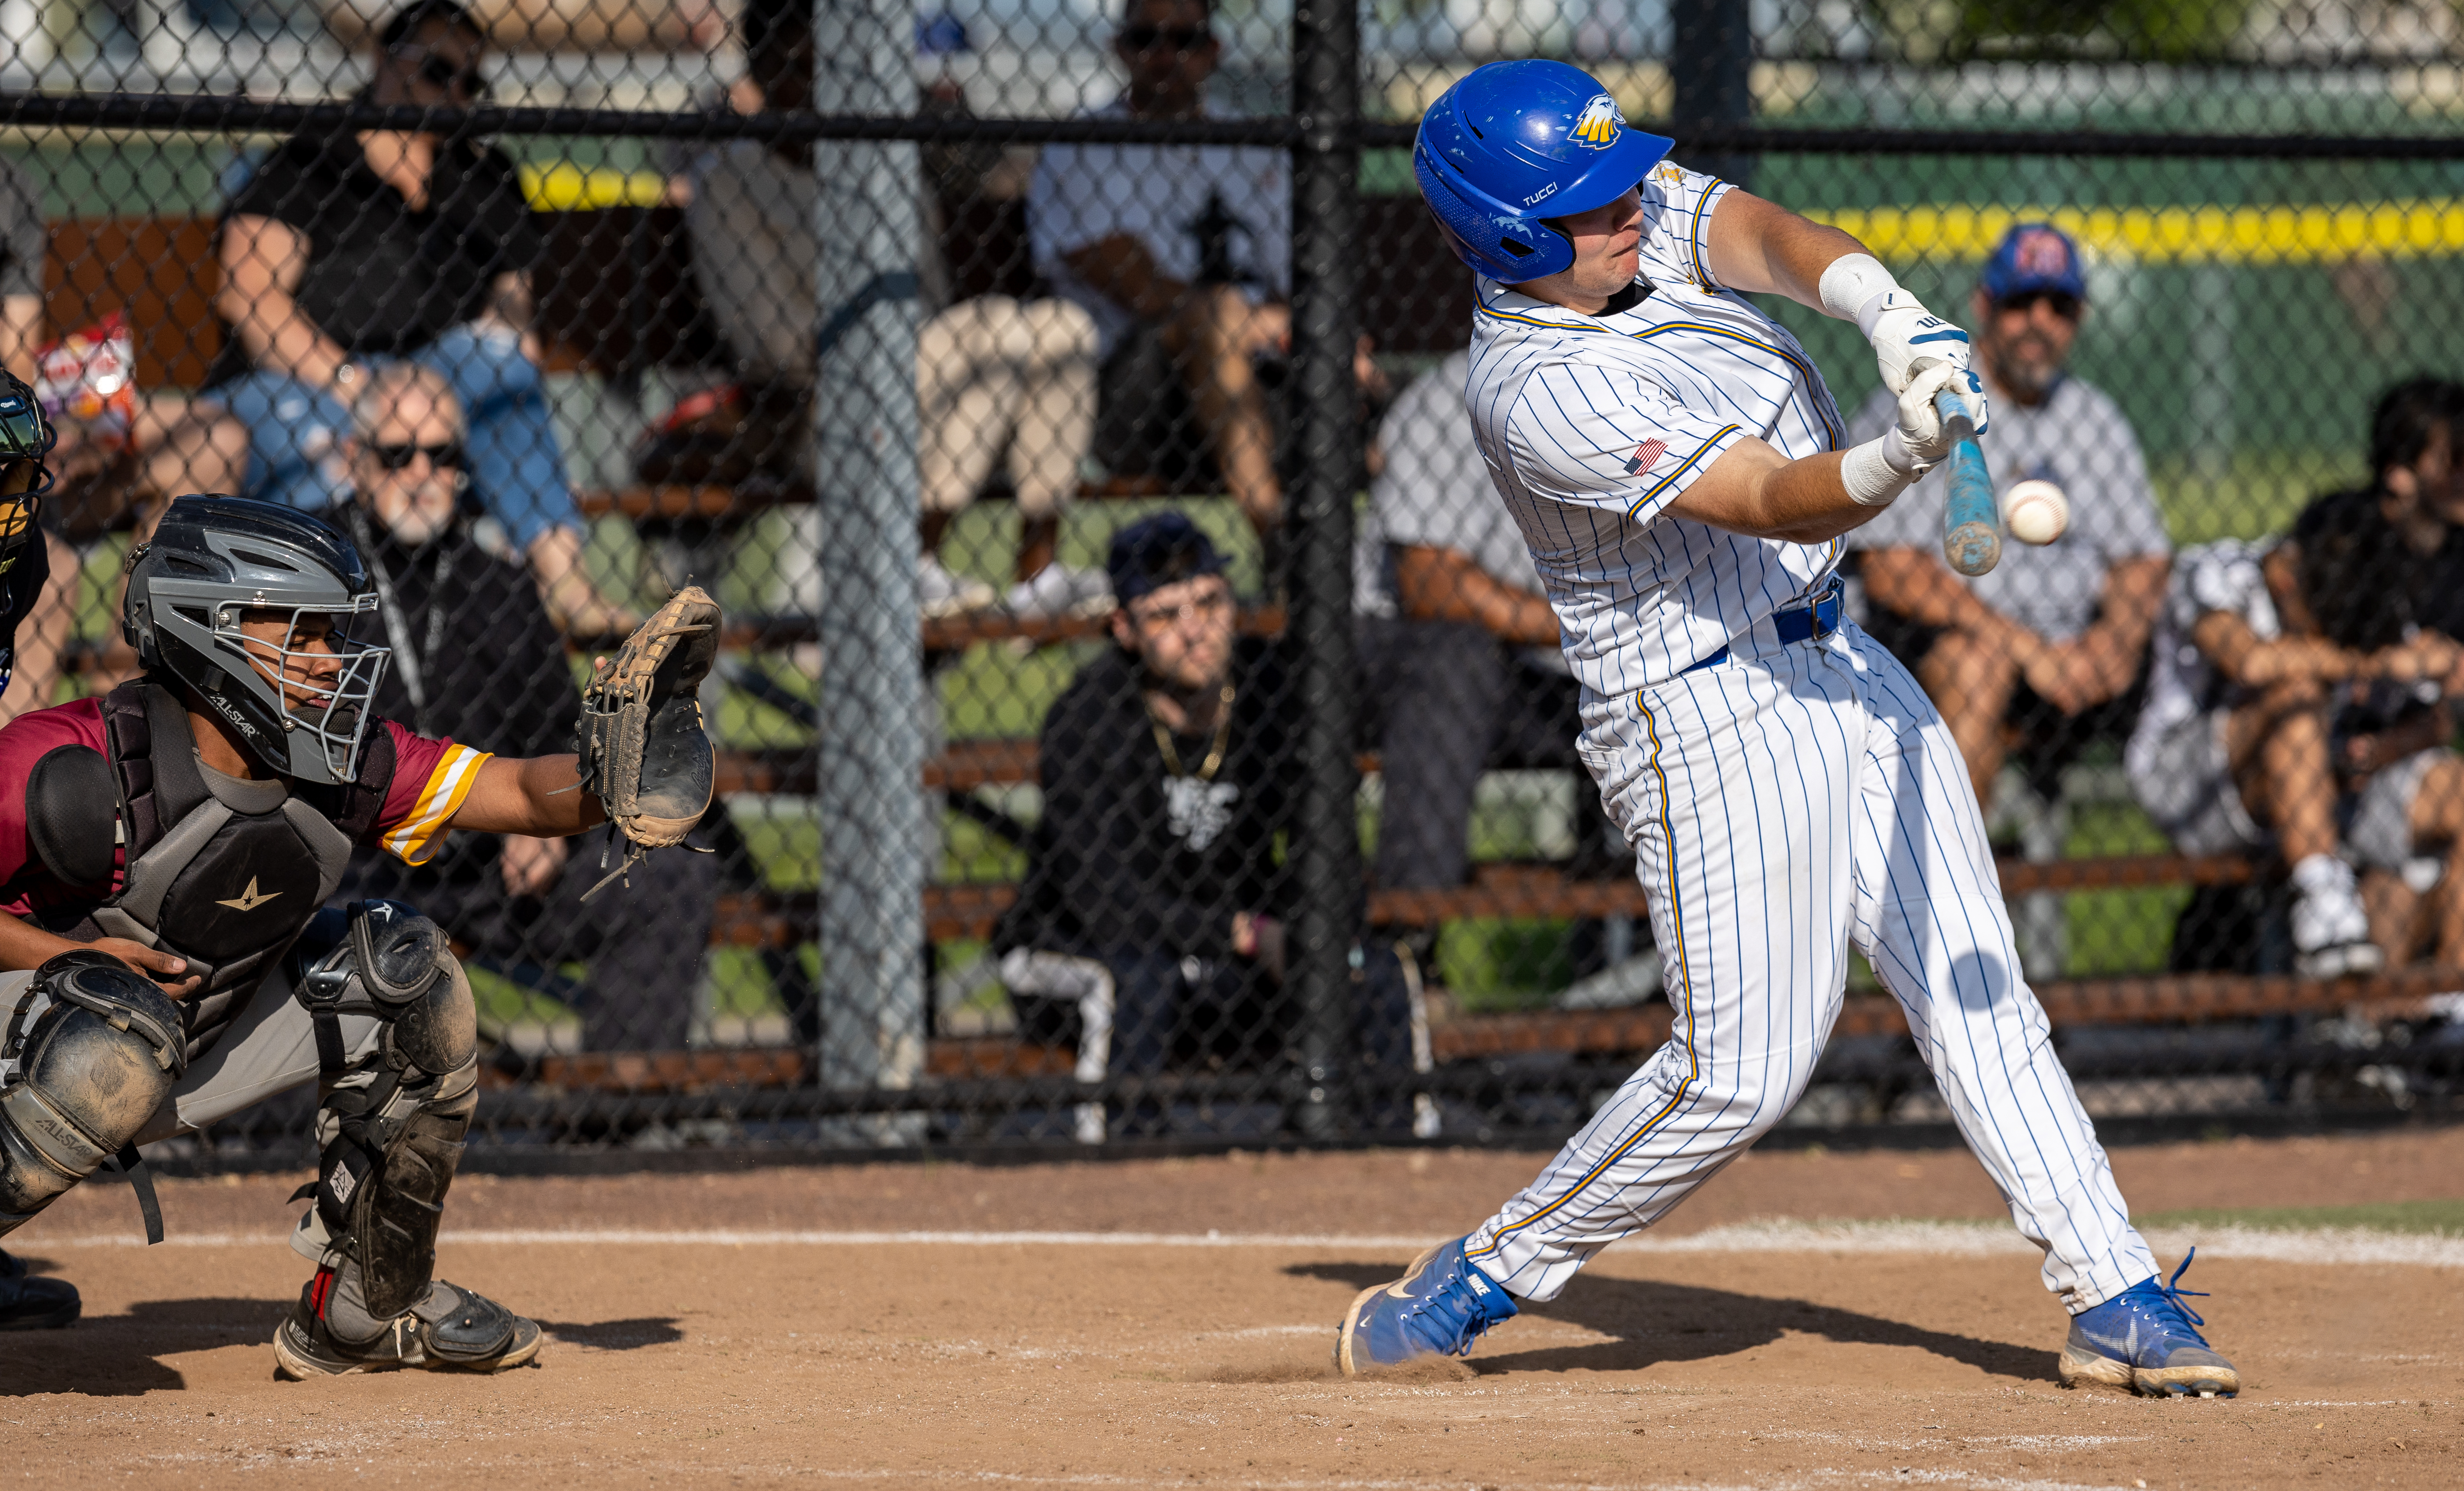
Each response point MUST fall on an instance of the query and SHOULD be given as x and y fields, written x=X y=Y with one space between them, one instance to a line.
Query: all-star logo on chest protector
x=249 y=899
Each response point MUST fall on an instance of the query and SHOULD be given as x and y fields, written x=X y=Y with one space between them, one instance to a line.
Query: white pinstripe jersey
x=1592 y=426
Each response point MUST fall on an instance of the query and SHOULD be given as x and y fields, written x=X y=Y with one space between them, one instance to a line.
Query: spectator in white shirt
x=1459 y=654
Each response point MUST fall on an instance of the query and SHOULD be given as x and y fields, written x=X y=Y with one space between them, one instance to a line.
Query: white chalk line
x=1954 y=1240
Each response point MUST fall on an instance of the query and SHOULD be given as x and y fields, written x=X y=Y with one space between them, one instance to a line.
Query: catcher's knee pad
x=394 y=963
x=93 y=1066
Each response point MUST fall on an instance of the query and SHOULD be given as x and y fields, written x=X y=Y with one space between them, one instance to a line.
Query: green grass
x=2119 y=931
x=2438 y=1219
x=972 y=851
x=2258 y=493
x=1491 y=966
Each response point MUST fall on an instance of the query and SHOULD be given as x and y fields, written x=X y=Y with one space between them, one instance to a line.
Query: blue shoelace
x=2170 y=1298
x=1433 y=1308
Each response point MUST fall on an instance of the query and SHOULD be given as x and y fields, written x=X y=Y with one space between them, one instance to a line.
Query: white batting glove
x=1920 y=441
x=1906 y=334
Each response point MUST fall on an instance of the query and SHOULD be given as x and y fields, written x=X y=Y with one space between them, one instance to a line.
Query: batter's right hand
x=162 y=968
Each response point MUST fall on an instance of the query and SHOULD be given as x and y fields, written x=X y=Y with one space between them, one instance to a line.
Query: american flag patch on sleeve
x=1645 y=455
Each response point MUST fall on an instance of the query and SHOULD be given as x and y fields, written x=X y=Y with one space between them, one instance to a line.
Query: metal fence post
x=1710 y=62
x=870 y=801
x=1326 y=314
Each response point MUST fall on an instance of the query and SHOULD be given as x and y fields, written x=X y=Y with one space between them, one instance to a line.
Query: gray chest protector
x=225 y=872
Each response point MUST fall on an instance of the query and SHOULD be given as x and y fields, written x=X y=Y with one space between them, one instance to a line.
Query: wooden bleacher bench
x=1627 y=1032
x=1525 y=892
x=676 y=504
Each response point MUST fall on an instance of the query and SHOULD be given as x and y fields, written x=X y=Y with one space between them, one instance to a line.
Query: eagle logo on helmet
x=1597 y=125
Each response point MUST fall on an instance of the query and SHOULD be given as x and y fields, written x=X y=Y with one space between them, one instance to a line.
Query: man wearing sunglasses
x=2046 y=652
x=477 y=659
x=344 y=250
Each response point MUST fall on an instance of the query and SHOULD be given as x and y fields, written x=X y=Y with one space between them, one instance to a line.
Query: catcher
x=166 y=850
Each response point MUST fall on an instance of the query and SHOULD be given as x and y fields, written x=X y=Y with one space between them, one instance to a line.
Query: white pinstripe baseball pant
x=1783 y=805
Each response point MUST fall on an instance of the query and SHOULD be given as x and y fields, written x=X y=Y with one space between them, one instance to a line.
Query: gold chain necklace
x=1213 y=761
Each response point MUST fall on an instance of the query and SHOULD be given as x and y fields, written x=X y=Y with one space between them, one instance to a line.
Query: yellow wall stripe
x=568 y=188
x=2186 y=235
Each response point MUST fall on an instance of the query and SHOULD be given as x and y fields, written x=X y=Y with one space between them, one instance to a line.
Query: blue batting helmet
x=1514 y=143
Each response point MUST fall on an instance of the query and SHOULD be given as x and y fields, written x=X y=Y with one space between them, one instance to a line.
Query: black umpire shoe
x=30 y=1301
x=454 y=1330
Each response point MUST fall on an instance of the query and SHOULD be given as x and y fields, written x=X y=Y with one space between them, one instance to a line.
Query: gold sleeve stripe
x=418 y=837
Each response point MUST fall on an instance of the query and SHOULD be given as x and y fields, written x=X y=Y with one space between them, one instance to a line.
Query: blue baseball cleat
x=2148 y=1340
x=1438 y=1308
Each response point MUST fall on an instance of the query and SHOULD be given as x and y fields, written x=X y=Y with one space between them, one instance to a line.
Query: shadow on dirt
x=111 y=1356
x=617 y=1335
x=1655 y=1322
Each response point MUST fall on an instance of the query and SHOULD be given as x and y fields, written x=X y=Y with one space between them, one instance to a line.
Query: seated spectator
x=1459 y=643
x=476 y=659
x=344 y=252
x=121 y=457
x=1182 y=255
x=114 y=446
x=2385 y=557
x=39 y=613
x=999 y=380
x=2293 y=691
x=1152 y=901
x=2045 y=650
x=124 y=454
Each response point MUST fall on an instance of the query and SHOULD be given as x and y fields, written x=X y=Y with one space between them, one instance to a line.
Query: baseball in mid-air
x=2035 y=512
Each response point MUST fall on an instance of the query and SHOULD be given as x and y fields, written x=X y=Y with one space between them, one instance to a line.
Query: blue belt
x=1797 y=624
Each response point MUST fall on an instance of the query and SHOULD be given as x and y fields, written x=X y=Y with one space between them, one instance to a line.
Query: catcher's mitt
x=644 y=752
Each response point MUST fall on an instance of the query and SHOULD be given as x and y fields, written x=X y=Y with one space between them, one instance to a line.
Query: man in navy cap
x=2045 y=651
x=1152 y=909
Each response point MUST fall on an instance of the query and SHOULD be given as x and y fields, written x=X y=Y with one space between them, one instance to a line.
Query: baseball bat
x=1972 y=523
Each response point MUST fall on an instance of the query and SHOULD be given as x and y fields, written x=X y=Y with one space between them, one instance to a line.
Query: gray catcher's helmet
x=214 y=558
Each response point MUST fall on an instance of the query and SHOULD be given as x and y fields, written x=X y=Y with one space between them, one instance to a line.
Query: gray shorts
x=2187 y=785
x=2381 y=836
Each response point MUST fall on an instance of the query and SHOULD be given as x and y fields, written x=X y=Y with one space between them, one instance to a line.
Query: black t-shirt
x=1130 y=857
x=382 y=278
x=2363 y=584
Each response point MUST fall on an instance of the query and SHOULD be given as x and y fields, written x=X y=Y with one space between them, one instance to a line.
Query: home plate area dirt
x=1077 y=1325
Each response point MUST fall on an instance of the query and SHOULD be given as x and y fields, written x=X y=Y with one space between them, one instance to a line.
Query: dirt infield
x=769 y=1342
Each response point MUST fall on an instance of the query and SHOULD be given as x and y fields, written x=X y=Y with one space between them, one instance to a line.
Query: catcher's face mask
x=25 y=439
x=324 y=675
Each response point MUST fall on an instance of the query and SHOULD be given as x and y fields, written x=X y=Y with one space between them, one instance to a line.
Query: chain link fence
x=1139 y=723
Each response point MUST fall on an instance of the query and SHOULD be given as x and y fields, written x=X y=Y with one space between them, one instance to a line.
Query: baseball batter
x=1676 y=465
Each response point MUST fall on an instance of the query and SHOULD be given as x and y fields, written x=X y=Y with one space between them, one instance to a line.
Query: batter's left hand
x=1904 y=334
